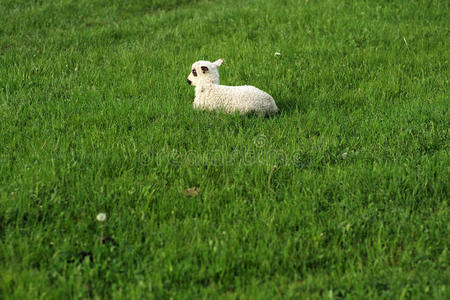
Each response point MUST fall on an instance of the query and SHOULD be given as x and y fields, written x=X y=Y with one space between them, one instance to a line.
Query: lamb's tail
x=270 y=110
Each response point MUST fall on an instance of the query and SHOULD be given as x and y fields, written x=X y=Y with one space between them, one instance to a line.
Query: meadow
x=342 y=195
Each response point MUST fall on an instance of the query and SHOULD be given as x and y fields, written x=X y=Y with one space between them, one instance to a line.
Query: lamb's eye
x=194 y=72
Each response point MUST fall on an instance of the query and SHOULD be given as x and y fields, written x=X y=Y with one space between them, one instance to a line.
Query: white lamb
x=210 y=95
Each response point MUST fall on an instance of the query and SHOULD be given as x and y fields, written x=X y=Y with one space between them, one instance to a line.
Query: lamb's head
x=204 y=72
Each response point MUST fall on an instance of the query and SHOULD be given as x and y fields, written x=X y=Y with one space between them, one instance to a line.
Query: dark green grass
x=344 y=194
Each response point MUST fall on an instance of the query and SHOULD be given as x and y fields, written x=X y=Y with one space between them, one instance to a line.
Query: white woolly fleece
x=210 y=95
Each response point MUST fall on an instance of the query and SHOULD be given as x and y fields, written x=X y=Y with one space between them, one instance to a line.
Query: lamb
x=210 y=95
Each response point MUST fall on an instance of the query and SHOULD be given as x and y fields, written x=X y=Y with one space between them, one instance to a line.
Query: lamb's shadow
x=289 y=105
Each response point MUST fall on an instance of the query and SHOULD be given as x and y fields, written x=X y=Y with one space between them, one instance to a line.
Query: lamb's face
x=204 y=72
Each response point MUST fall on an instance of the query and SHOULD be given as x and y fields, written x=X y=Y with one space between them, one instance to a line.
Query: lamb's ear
x=218 y=62
x=204 y=69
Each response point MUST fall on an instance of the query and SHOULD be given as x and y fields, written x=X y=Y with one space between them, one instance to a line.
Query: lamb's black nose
x=189 y=82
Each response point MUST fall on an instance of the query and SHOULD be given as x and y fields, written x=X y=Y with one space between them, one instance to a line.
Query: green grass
x=344 y=194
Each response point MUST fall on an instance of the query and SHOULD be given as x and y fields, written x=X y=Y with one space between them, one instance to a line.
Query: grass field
x=344 y=194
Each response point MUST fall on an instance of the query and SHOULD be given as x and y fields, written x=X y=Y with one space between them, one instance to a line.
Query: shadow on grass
x=289 y=105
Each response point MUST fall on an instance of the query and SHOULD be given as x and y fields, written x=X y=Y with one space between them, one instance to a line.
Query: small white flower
x=344 y=155
x=101 y=217
x=277 y=54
